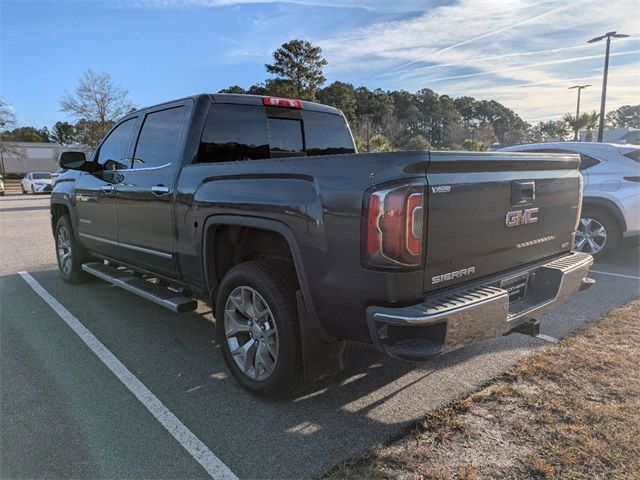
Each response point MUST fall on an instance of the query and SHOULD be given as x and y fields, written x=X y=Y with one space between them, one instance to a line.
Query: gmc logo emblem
x=521 y=217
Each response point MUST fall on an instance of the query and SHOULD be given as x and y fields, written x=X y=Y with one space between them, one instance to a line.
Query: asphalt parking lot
x=64 y=414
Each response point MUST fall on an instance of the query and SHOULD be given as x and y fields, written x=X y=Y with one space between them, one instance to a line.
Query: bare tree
x=7 y=122
x=97 y=99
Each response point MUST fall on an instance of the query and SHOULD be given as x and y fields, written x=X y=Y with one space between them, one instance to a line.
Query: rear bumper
x=446 y=322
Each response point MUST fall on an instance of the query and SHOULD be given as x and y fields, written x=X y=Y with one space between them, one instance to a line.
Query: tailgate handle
x=523 y=193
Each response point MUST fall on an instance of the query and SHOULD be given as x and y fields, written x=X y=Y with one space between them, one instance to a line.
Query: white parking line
x=615 y=274
x=198 y=450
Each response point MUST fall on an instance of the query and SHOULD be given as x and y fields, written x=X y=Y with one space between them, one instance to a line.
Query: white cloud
x=523 y=53
x=374 y=5
x=474 y=46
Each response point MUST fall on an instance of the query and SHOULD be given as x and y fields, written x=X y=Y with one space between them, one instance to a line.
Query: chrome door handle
x=159 y=190
x=107 y=188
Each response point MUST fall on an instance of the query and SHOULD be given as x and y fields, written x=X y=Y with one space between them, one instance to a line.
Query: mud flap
x=321 y=356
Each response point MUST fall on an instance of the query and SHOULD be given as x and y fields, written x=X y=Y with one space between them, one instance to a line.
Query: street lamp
x=579 y=87
x=608 y=36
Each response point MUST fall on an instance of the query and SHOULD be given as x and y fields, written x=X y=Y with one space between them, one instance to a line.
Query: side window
x=158 y=141
x=587 y=162
x=234 y=132
x=113 y=151
x=633 y=155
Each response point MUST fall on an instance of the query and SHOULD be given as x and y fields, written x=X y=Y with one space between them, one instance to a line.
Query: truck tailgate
x=488 y=213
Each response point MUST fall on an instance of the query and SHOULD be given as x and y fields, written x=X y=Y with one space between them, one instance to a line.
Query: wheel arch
x=58 y=209
x=323 y=354
x=608 y=206
x=214 y=222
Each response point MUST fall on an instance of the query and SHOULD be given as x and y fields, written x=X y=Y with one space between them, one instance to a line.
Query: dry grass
x=570 y=411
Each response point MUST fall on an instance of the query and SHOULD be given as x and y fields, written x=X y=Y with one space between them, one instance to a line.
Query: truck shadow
x=177 y=357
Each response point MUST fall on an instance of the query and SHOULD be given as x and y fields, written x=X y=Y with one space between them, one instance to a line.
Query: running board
x=174 y=301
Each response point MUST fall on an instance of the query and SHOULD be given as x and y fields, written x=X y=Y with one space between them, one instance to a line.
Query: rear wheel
x=69 y=252
x=257 y=324
x=598 y=233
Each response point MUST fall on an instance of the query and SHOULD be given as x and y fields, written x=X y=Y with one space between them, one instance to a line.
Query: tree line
x=380 y=119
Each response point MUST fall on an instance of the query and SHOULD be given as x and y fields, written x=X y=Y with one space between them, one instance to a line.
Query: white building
x=23 y=157
x=617 y=135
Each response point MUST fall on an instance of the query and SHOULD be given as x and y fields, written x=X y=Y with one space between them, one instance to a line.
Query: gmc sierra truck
x=263 y=207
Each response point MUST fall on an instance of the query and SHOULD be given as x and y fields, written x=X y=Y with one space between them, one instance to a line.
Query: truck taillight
x=394 y=229
x=282 y=102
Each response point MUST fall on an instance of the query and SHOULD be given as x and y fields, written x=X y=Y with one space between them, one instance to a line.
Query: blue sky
x=523 y=53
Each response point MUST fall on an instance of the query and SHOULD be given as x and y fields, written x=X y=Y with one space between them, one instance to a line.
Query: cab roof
x=244 y=99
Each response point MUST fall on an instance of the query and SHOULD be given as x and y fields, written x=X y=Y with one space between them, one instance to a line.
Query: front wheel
x=598 y=233
x=69 y=253
x=258 y=329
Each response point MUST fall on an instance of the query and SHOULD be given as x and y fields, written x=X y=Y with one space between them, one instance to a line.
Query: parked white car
x=611 y=202
x=36 y=182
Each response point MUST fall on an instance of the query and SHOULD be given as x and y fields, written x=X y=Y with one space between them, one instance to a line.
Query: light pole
x=608 y=36
x=579 y=87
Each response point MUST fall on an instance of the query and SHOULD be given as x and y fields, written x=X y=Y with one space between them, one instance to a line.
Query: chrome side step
x=174 y=301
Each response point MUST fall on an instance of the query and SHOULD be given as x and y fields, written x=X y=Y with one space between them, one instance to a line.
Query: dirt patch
x=570 y=411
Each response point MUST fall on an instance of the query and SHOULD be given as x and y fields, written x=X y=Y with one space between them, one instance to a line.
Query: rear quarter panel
x=319 y=199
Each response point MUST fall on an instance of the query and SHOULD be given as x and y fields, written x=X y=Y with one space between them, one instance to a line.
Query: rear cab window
x=236 y=132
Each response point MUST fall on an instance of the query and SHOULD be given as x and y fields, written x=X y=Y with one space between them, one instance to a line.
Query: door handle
x=107 y=188
x=159 y=190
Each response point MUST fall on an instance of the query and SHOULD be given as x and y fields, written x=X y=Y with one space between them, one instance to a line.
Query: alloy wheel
x=591 y=236
x=64 y=250
x=251 y=333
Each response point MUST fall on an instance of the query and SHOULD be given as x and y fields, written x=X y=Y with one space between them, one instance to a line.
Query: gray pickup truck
x=262 y=206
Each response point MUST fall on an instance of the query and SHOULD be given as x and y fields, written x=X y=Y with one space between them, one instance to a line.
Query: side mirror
x=73 y=160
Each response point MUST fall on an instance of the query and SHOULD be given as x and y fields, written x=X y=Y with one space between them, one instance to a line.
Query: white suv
x=611 y=202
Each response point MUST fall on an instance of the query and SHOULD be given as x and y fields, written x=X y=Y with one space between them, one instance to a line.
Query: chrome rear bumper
x=456 y=319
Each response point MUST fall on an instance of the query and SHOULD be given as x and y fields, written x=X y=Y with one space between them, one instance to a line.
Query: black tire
x=24 y=192
x=611 y=227
x=276 y=282
x=33 y=190
x=71 y=272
